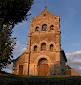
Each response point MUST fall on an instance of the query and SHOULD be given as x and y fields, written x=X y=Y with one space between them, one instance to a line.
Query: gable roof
x=14 y=60
x=68 y=67
x=71 y=71
x=45 y=13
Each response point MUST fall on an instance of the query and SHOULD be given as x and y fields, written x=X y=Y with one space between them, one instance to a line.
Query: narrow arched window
x=37 y=29
x=51 y=47
x=51 y=27
x=44 y=27
x=35 y=48
x=43 y=46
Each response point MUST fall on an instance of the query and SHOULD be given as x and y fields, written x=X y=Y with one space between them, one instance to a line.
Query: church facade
x=44 y=55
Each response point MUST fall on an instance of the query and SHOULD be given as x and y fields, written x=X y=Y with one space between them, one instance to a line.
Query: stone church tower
x=44 y=55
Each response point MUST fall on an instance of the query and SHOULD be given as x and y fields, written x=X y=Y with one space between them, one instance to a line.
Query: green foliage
x=14 y=11
x=11 y=12
x=6 y=45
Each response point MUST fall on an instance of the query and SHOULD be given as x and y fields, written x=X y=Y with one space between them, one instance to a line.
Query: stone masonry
x=43 y=48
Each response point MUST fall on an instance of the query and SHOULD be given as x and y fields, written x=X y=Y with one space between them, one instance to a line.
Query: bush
x=33 y=80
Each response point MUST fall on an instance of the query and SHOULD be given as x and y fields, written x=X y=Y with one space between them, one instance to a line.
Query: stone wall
x=19 y=61
x=36 y=37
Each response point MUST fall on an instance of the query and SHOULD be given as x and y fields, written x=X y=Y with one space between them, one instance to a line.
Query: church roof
x=68 y=67
x=14 y=60
x=45 y=12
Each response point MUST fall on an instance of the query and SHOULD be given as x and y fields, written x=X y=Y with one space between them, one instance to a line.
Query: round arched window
x=51 y=27
x=37 y=29
x=44 y=27
x=51 y=47
x=43 y=46
x=35 y=48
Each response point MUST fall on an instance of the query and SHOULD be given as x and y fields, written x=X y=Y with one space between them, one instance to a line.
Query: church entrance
x=43 y=67
x=20 y=69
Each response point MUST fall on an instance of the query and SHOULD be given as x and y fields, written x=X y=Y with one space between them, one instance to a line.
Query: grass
x=39 y=80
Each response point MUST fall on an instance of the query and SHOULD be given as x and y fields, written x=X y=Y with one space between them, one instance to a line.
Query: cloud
x=68 y=54
x=8 y=68
x=23 y=50
x=76 y=53
x=17 y=45
x=74 y=60
x=77 y=61
x=19 y=48
x=19 y=51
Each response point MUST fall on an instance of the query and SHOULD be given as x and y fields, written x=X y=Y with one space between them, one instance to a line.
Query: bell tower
x=44 y=55
x=43 y=45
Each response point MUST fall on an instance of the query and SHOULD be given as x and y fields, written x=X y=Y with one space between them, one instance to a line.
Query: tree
x=11 y=13
x=6 y=45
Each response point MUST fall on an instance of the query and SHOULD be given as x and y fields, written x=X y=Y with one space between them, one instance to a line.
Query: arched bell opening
x=44 y=27
x=43 y=46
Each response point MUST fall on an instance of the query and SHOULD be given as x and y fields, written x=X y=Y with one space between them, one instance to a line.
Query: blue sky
x=70 y=22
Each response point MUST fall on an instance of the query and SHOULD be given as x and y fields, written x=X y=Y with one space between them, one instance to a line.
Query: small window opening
x=44 y=27
x=35 y=48
x=43 y=46
x=51 y=47
x=44 y=14
x=37 y=29
x=51 y=27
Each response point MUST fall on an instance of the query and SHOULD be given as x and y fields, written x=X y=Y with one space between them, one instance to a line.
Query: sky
x=70 y=25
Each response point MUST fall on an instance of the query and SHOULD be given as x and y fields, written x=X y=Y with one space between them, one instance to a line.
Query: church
x=44 y=56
